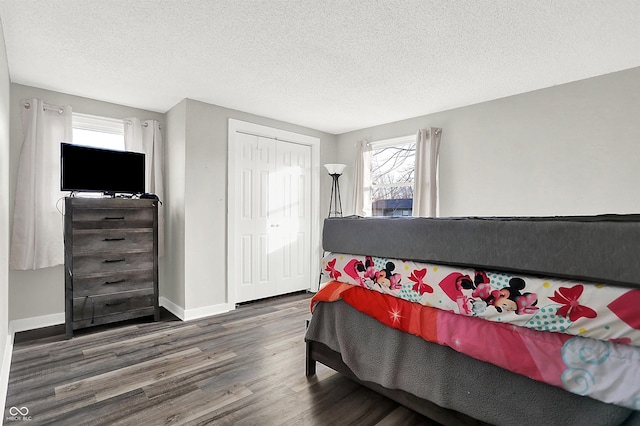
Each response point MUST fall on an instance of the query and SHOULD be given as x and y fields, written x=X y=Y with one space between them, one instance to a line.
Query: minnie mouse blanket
x=593 y=310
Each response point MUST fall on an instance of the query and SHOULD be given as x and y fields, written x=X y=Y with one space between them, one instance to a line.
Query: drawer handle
x=114 y=260
x=114 y=303
x=114 y=239
x=114 y=282
x=114 y=218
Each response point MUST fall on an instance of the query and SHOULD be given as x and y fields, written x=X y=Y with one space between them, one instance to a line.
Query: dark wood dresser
x=111 y=260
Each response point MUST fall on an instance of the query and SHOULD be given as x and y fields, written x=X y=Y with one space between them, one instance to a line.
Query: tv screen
x=101 y=170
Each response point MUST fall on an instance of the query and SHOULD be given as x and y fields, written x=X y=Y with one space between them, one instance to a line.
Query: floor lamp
x=335 y=205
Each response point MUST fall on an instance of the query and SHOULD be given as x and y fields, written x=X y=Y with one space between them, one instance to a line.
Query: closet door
x=274 y=225
x=292 y=217
x=256 y=169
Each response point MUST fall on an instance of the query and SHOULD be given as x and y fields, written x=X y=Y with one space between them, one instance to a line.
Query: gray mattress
x=398 y=360
x=599 y=249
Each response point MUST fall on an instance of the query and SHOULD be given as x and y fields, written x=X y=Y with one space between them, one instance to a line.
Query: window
x=98 y=132
x=392 y=166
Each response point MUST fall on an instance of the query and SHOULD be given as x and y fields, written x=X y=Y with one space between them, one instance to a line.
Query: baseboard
x=197 y=313
x=33 y=323
x=207 y=311
x=5 y=367
x=171 y=307
x=25 y=324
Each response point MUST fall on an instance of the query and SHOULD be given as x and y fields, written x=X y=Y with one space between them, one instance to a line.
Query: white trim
x=401 y=140
x=25 y=324
x=314 y=143
x=97 y=124
x=171 y=307
x=197 y=313
x=207 y=311
x=5 y=367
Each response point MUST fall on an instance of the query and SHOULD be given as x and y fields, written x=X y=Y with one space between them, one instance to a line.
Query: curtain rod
x=46 y=107
x=436 y=132
x=145 y=124
x=131 y=122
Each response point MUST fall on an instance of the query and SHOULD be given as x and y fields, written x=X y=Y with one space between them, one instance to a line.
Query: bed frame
x=319 y=352
x=594 y=248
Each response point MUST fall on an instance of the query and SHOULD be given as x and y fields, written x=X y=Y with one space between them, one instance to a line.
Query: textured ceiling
x=331 y=65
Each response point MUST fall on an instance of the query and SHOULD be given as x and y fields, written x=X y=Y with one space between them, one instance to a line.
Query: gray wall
x=568 y=149
x=193 y=270
x=4 y=213
x=199 y=204
x=41 y=292
x=175 y=165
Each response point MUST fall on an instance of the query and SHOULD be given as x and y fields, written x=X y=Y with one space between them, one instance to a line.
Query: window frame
x=98 y=124
x=391 y=143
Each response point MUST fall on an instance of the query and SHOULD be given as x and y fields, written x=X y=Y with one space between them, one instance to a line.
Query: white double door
x=274 y=226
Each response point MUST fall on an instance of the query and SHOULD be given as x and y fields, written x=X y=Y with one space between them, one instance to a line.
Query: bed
x=485 y=320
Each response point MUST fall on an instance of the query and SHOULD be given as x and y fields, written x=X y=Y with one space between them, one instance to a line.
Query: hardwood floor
x=244 y=367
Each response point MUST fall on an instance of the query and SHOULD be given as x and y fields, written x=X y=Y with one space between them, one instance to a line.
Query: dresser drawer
x=112 y=240
x=100 y=263
x=110 y=304
x=113 y=282
x=106 y=218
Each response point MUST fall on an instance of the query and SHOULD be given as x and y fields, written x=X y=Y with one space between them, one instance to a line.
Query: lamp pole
x=335 y=202
x=335 y=205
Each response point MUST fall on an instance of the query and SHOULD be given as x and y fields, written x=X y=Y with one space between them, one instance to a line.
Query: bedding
x=603 y=312
x=605 y=371
x=447 y=386
x=540 y=308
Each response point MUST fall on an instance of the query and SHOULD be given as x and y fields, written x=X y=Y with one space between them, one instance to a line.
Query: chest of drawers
x=111 y=261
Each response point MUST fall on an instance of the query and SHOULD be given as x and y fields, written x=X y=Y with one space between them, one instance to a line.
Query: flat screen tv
x=91 y=169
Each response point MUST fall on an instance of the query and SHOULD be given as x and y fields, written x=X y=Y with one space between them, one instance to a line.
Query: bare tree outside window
x=392 y=170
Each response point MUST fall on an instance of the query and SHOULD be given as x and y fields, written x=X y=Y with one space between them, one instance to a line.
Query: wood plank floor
x=245 y=367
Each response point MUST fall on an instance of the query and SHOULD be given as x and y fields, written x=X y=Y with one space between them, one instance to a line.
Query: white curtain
x=425 y=191
x=146 y=137
x=362 y=180
x=37 y=236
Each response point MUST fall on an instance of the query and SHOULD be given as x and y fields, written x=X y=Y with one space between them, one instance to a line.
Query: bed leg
x=310 y=368
x=310 y=363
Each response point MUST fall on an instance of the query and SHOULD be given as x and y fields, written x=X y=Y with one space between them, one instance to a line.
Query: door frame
x=233 y=205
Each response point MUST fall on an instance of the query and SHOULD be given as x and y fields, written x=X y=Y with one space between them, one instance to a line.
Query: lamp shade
x=335 y=169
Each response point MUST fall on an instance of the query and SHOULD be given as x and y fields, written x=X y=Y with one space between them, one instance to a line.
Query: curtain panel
x=425 y=191
x=146 y=137
x=37 y=234
x=362 y=180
